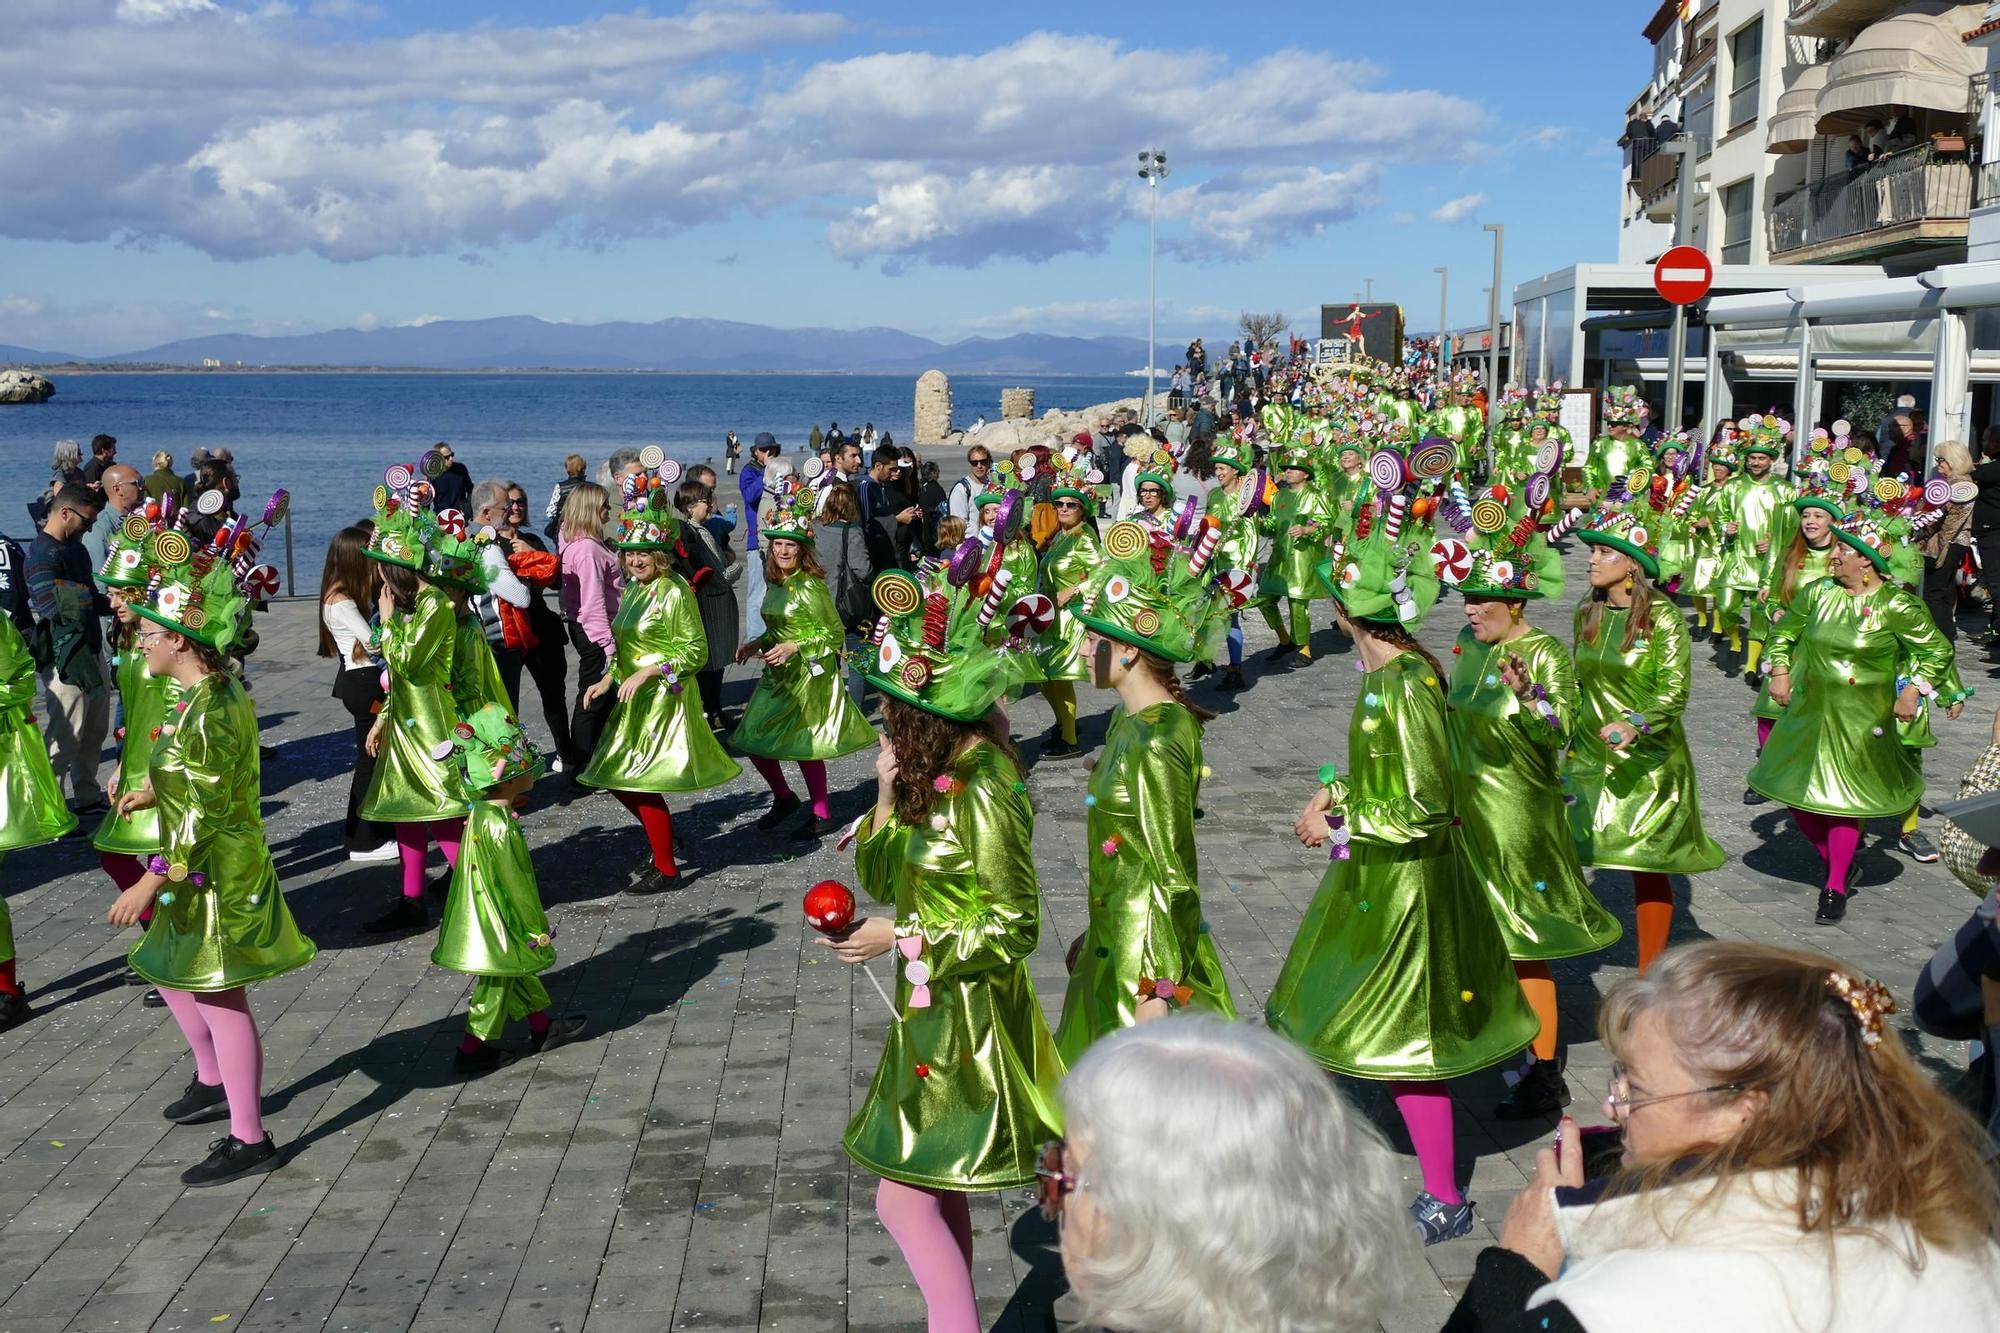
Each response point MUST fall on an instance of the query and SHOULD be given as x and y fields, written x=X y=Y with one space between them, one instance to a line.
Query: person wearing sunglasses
x=959 y=504
x=1073 y=555
x=1261 y=1202
x=453 y=486
x=1785 y=1165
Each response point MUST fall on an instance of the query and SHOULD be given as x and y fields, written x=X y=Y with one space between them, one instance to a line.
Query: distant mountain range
x=523 y=342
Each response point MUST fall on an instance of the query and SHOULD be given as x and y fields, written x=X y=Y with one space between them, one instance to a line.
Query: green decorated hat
x=402 y=517
x=204 y=592
x=952 y=642
x=1868 y=535
x=1501 y=546
x=648 y=522
x=125 y=549
x=1233 y=455
x=1629 y=525
x=492 y=749
x=792 y=511
x=1148 y=475
x=1723 y=452
x=1763 y=433
x=1379 y=571
x=1624 y=407
x=1160 y=594
x=984 y=498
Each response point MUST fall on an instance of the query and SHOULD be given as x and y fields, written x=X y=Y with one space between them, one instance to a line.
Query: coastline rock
x=1052 y=427
x=24 y=386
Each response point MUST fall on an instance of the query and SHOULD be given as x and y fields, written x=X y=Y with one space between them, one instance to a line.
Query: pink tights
x=1764 y=725
x=1836 y=838
x=222 y=1033
x=1426 y=1109
x=815 y=775
x=412 y=840
x=933 y=1228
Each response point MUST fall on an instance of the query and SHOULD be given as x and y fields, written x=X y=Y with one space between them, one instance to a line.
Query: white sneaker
x=555 y=766
x=388 y=851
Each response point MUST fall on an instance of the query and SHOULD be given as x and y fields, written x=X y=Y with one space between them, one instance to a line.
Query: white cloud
x=1459 y=209
x=156 y=11
x=1117 y=314
x=1241 y=215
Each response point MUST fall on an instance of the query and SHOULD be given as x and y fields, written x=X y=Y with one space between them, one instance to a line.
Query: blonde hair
x=583 y=511
x=1955 y=458
x=1865 y=1135
x=950 y=532
x=161 y=458
x=574 y=465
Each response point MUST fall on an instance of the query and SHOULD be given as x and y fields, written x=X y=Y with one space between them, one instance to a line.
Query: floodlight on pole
x=1152 y=170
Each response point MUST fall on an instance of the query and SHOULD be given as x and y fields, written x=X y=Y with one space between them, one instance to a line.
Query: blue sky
x=201 y=166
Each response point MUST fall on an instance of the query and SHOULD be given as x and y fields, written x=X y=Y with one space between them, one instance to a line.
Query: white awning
x=1792 y=124
x=1916 y=59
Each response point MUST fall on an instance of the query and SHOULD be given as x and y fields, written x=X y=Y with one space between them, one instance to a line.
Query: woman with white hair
x=1213 y=1178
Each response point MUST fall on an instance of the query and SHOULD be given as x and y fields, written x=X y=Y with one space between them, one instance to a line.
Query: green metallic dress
x=1811 y=570
x=1506 y=763
x=1636 y=808
x=966 y=1091
x=233 y=928
x=1145 y=898
x=411 y=785
x=493 y=926
x=475 y=675
x=1021 y=562
x=31 y=800
x=1835 y=749
x=1708 y=548
x=1612 y=460
x=1071 y=558
x=1289 y=571
x=801 y=709
x=659 y=742
x=1398 y=970
x=1240 y=542
x=1763 y=511
x=146 y=699
x=1343 y=491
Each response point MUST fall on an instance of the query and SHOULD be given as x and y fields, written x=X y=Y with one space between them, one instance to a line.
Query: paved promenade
x=681 y=1168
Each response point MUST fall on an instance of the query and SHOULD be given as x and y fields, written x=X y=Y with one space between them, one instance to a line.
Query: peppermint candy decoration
x=453 y=522
x=1452 y=560
x=261 y=583
x=1239 y=584
x=1033 y=614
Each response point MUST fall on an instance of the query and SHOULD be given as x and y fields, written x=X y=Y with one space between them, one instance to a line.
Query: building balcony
x=1653 y=184
x=1836 y=18
x=1916 y=200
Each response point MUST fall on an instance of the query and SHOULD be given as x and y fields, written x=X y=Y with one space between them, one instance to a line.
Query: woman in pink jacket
x=591 y=586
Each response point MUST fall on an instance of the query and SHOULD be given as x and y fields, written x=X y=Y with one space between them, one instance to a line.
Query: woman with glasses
x=538 y=629
x=1786 y=1165
x=1074 y=553
x=1261 y=1201
x=1156 y=493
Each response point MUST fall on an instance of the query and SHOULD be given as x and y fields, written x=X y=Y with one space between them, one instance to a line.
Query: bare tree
x=1264 y=329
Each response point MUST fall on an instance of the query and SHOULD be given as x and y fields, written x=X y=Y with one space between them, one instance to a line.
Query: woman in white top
x=348 y=583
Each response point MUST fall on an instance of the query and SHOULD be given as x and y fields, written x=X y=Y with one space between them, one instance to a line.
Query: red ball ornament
x=829 y=906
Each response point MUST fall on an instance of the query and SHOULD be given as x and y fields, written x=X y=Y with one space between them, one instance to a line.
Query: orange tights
x=1654 y=897
x=1539 y=985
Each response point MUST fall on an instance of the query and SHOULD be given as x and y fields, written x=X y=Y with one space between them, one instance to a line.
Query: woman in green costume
x=1345 y=485
x=1232 y=508
x=1002 y=517
x=32 y=811
x=1512 y=710
x=219 y=920
x=799 y=710
x=494 y=928
x=1709 y=517
x=965 y=1093
x=1156 y=495
x=655 y=740
x=1398 y=972
x=1300 y=521
x=1146 y=949
x=1630 y=779
x=1805 y=564
x=1834 y=754
x=1074 y=554
x=411 y=788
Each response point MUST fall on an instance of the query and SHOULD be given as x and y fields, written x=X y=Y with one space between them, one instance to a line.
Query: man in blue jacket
x=762 y=450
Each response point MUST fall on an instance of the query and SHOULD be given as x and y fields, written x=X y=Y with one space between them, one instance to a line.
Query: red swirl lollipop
x=829 y=907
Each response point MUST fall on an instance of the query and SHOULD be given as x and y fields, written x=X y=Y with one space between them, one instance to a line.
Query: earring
x=1629 y=584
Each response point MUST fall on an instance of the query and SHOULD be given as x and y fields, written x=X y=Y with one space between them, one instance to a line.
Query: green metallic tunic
x=146 y=699
x=1763 y=512
x=31 y=800
x=1024 y=567
x=493 y=923
x=1398 y=970
x=1145 y=896
x=234 y=928
x=1708 y=547
x=1289 y=571
x=1506 y=763
x=1612 y=460
x=411 y=785
x=801 y=709
x=1636 y=808
x=659 y=742
x=475 y=675
x=1071 y=558
x=1811 y=570
x=1835 y=749
x=1241 y=542
x=1343 y=491
x=966 y=1091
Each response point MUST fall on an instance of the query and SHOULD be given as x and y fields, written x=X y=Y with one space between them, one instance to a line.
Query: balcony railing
x=1912 y=186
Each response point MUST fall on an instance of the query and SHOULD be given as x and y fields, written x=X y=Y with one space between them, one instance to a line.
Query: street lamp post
x=1152 y=169
x=1370 y=284
x=1444 y=316
x=1499 y=231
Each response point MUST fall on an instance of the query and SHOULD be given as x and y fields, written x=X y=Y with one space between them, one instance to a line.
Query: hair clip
x=1868 y=999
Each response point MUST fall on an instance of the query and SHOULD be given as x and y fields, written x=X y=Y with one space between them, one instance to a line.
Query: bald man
x=124 y=491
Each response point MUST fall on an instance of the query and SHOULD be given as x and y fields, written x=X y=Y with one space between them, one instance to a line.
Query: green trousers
x=495 y=1000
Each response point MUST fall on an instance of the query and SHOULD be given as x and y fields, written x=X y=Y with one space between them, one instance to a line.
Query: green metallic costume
x=493 y=926
x=146 y=700
x=1398 y=971
x=31 y=800
x=1761 y=508
x=1778 y=608
x=410 y=784
x=1506 y=761
x=475 y=675
x=801 y=709
x=1070 y=559
x=658 y=742
x=1145 y=899
x=966 y=1090
x=232 y=928
x=1612 y=460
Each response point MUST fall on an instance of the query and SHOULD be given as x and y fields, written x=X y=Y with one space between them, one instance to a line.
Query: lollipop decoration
x=1537 y=491
x=1548 y=455
x=1033 y=614
x=1185 y=516
x=1433 y=458
x=1452 y=560
x=275 y=509
x=209 y=503
x=1124 y=540
x=261 y=584
x=1204 y=547
x=1385 y=469
x=897 y=594
x=432 y=464
x=829 y=907
x=1392 y=517
x=669 y=472
x=990 y=607
x=652 y=456
x=966 y=559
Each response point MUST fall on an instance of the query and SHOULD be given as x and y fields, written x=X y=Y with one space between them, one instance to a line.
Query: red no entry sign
x=1682 y=275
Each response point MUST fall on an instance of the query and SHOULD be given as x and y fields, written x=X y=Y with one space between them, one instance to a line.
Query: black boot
x=1232 y=680
x=201 y=1103
x=1201 y=669
x=1541 y=1092
x=232 y=1159
x=14 y=1010
x=1283 y=650
x=783 y=808
x=407 y=914
x=1832 y=907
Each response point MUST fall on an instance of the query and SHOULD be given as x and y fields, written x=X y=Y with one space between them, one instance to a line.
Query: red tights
x=1836 y=839
x=651 y=810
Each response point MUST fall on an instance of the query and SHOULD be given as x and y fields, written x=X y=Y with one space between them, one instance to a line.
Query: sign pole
x=1683 y=147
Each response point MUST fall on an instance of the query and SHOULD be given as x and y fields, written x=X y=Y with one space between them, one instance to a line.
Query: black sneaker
x=781 y=809
x=1437 y=1220
x=1282 y=651
x=132 y=978
x=1232 y=680
x=1832 y=907
x=560 y=1032
x=199 y=1104
x=14 y=1010
x=407 y=914
x=1201 y=670
x=1918 y=847
x=230 y=1159
x=1541 y=1092
x=1058 y=748
x=650 y=881
x=472 y=1064
x=813 y=830
x=152 y=999
x=1751 y=796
